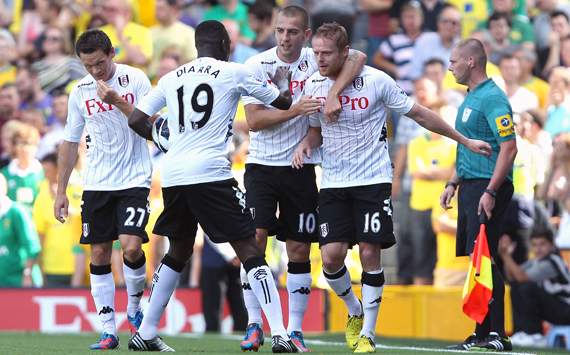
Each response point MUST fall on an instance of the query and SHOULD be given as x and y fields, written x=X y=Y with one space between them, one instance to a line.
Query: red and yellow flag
x=478 y=288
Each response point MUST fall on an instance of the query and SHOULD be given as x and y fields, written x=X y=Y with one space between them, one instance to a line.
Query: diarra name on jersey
x=204 y=69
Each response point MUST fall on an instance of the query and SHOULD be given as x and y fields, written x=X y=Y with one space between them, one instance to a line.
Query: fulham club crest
x=324 y=229
x=124 y=80
x=303 y=66
x=358 y=83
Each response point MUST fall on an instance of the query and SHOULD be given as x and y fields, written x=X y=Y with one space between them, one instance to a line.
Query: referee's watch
x=493 y=193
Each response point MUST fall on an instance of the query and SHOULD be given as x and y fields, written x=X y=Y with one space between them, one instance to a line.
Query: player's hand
x=446 y=197
x=479 y=147
x=61 y=207
x=281 y=78
x=306 y=106
x=396 y=188
x=303 y=150
x=486 y=205
x=333 y=108
x=107 y=94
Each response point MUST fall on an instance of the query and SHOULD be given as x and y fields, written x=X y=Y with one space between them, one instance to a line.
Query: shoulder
x=264 y=58
x=85 y=84
x=426 y=38
x=133 y=27
x=135 y=72
x=315 y=79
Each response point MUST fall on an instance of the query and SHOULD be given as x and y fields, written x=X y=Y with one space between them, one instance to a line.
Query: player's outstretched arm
x=433 y=122
x=260 y=117
x=140 y=123
x=66 y=160
x=350 y=70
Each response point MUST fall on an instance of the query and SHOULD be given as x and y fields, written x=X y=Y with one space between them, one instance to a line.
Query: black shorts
x=294 y=191
x=218 y=206
x=357 y=214
x=470 y=192
x=107 y=214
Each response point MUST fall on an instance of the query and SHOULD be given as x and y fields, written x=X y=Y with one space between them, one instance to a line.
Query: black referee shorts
x=470 y=192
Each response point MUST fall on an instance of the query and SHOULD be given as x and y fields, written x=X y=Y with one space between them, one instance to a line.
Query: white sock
x=299 y=288
x=263 y=286
x=372 y=287
x=103 y=292
x=164 y=282
x=339 y=281
x=135 y=281
x=251 y=303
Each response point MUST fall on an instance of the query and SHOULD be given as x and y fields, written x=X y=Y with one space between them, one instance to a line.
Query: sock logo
x=265 y=288
x=260 y=274
x=378 y=300
x=246 y=286
x=346 y=292
x=302 y=290
x=138 y=295
x=106 y=310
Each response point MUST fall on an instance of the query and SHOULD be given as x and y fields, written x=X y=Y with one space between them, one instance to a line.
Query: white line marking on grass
x=378 y=346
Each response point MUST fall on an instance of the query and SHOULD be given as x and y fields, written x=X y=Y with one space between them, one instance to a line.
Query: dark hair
x=546 y=233
x=557 y=13
x=93 y=40
x=211 y=33
x=261 y=10
x=334 y=32
x=536 y=117
x=49 y=158
x=296 y=11
x=59 y=92
x=433 y=61
x=496 y=16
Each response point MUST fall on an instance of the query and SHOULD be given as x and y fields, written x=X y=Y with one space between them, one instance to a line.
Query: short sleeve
x=75 y=120
x=499 y=115
x=393 y=96
x=252 y=64
x=152 y=102
x=248 y=85
x=386 y=49
x=144 y=85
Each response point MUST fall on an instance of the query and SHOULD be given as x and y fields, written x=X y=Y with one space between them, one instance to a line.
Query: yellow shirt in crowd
x=136 y=35
x=446 y=259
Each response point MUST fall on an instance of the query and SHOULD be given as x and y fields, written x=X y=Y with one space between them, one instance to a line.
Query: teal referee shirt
x=485 y=114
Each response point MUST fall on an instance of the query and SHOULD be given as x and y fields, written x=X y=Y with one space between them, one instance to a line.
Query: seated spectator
x=520 y=98
x=6 y=147
x=24 y=173
x=557 y=187
x=30 y=92
x=554 y=53
x=239 y=52
x=7 y=50
x=527 y=79
x=261 y=22
x=497 y=34
x=540 y=289
x=58 y=67
x=558 y=113
x=9 y=103
x=54 y=136
x=19 y=244
x=57 y=239
x=395 y=54
x=522 y=32
x=232 y=10
x=434 y=69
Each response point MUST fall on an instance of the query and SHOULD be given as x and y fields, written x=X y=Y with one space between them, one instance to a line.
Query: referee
x=484 y=183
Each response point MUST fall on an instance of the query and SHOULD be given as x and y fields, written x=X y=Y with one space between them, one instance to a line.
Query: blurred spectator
x=540 y=289
x=558 y=113
x=472 y=12
x=9 y=103
x=30 y=92
x=232 y=10
x=432 y=10
x=379 y=22
x=437 y=44
x=557 y=42
x=7 y=52
x=171 y=32
x=6 y=147
x=341 y=11
x=542 y=21
x=132 y=42
x=239 y=52
x=166 y=64
x=520 y=98
x=532 y=124
x=539 y=87
x=522 y=32
x=434 y=69
x=34 y=118
x=24 y=173
x=49 y=142
x=395 y=54
x=430 y=165
x=58 y=67
x=219 y=280
x=57 y=239
x=261 y=22
x=450 y=270
x=558 y=187
x=497 y=33
x=19 y=244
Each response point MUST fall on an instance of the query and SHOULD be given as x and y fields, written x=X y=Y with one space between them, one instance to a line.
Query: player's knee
x=132 y=252
x=298 y=252
x=101 y=254
x=332 y=261
x=370 y=256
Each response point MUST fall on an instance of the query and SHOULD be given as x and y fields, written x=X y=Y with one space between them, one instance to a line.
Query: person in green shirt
x=232 y=10
x=24 y=173
x=485 y=183
x=19 y=244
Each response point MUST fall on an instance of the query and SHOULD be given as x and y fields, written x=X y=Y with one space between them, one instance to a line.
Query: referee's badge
x=466 y=114
x=85 y=229
x=324 y=229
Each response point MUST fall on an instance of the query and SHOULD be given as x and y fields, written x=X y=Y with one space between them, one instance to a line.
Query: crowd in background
x=527 y=43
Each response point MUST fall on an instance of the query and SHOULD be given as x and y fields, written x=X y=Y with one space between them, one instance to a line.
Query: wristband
x=451 y=183
x=493 y=193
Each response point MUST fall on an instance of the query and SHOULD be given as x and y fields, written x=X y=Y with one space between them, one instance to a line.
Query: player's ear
x=112 y=53
x=308 y=33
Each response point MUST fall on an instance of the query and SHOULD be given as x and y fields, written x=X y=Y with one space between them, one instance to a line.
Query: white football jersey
x=355 y=148
x=202 y=98
x=275 y=145
x=117 y=157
